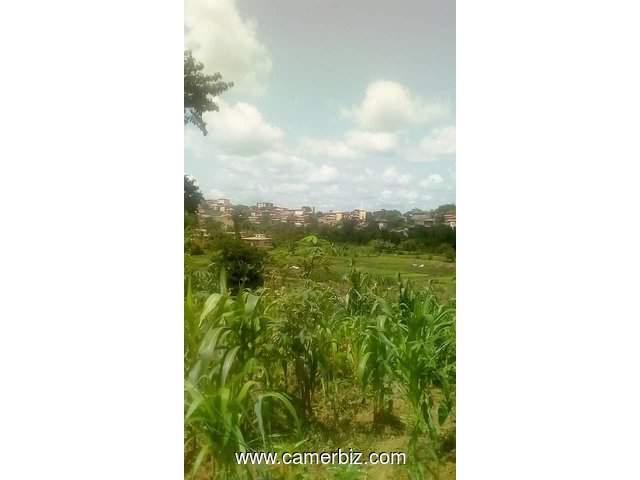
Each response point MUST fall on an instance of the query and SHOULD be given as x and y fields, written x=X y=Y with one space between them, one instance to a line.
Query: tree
x=192 y=195
x=240 y=217
x=243 y=263
x=199 y=91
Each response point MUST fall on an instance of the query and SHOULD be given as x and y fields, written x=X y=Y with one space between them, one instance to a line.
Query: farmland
x=334 y=347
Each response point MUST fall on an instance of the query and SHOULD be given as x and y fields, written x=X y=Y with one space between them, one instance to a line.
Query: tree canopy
x=192 y=195
x=240 y=217
x=199 y=91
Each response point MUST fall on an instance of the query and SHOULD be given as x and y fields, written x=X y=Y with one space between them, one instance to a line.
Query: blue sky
x=336 y=104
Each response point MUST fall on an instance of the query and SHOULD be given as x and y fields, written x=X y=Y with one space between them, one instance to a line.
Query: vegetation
x=339 y=336
x=192 y=196
x=296 y=361
x=243 y=263
x=199 y=91
x=264 y=366
x=314 y=345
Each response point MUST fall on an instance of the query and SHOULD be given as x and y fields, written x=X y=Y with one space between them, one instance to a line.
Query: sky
x=335 y=104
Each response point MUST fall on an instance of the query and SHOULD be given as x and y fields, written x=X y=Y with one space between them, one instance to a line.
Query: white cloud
x=285 y=160
x=328 y=148
x=239 y=164
x=225 y=43
x=441 y=141
x=432 y=181
x=356 y=143
x=214 y=194
x=290 y=188
x=330 y=190
x=392 y=175
x=324 y=174
x=389 y=107
x=241 y=130
x=376 y=142
x=408 y=195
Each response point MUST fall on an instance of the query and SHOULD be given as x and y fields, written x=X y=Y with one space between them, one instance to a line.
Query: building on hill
x=222 y=205
x=424 y=219
x=450 y=219
x=362 y=214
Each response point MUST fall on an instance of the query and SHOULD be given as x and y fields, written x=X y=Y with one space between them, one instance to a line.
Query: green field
x=355 y=351
x=416 y=268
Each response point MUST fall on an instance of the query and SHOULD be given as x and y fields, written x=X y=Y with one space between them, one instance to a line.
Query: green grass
x=383 y=267
x=387 y=266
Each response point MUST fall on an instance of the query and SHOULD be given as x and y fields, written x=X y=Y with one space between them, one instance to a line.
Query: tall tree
x=192 y=195
x=199 y=91
x=240 y=217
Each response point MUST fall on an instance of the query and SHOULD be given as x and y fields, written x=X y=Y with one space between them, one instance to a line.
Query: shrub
x=244 y=263
x=196 y=249
x=410 y=245
x=447 y=251
x=382 y=246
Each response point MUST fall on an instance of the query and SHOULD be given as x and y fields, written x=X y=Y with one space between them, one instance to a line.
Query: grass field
x=411 y=267
x=384 y=267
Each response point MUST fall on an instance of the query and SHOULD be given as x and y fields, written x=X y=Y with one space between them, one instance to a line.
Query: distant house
x=361 y=214
x=382 y=224
x=450 y=219
x=401 y=231
x=259 y=240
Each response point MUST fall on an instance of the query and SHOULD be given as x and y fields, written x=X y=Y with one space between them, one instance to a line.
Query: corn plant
x=360 y=298
x=425 y=367
x=229 y=406
x=376 y=364
x=304 y=333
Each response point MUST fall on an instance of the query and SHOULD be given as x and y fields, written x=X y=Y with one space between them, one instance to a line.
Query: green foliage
x=240 y=217
x=315 y=253
x=426 y=366
x=244 y=263
x=192 y=196
x=410 y=245
x=447 y=251
x=382 y=246
x=304 y=337
x=229 y=406
x=199 y=91
x=258 y=366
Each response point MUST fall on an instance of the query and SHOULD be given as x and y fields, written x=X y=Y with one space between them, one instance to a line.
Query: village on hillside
x=223 y=211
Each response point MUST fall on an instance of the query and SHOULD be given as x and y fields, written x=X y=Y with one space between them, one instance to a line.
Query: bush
x=410 y=245
x=244 y=263
x=382 y=246
x=196 y=249
x=447 y=251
